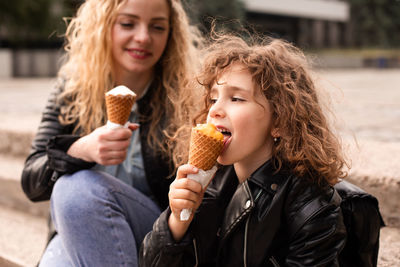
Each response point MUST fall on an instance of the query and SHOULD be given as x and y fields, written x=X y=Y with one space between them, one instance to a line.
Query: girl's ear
x=275 y=132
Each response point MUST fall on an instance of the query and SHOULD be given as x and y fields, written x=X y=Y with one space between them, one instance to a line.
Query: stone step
x=23 y=238
x=21 y=104
x=387 y=193
x=389 y=249
x=11 y=194
x=375 y=168
x=23 y=224
x=15 y=143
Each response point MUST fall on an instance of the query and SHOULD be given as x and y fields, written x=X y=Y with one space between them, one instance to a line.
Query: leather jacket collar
x=262 y=181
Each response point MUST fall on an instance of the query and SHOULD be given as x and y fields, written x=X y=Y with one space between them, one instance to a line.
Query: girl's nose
x=216 y=110
x=142 y=34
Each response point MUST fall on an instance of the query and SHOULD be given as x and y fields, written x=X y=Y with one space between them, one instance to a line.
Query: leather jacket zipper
x=245 y=242
x=274 y=262
x=195 y=253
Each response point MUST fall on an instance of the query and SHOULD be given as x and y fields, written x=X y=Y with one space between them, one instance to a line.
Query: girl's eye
x=237 y=99
x=212 y=100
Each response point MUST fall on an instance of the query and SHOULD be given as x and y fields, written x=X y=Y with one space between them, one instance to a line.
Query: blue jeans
x=100 y=221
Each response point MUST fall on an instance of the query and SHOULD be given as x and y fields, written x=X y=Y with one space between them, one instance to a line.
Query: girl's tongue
x=227 y=141
x=227 y=137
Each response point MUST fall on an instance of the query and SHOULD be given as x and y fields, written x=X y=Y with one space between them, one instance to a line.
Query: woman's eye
x=159 y=27
x=126 y=24
x=212 y=100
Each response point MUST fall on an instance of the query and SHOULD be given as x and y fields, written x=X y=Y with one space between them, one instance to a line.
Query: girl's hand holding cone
x=206 y=144
x=184 y=193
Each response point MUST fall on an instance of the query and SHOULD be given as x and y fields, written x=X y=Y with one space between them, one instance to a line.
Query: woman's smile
x=137 y=53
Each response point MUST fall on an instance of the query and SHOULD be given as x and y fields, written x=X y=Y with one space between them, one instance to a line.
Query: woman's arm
x=48 y=159
x=56 y=151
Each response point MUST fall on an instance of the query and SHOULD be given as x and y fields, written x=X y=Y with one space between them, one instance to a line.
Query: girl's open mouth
x=227 y=137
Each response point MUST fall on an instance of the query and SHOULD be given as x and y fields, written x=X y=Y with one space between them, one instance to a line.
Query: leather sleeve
x=160 y=249
x=319 y=241
x=48 y=159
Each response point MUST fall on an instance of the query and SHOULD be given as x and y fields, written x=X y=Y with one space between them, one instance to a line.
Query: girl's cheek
x=208 y=117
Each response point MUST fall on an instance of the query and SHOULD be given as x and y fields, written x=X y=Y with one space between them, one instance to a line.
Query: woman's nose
x=142 y=34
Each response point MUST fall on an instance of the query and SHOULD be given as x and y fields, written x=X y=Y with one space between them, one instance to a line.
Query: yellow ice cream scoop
x=209 y=129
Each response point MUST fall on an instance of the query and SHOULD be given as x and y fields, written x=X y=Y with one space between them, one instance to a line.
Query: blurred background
x=355 y=49
x=347 y=33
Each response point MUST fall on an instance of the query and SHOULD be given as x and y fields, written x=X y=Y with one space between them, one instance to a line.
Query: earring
x=275 y=139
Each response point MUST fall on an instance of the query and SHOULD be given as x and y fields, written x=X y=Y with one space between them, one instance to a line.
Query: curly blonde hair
x=87 y=71
x=281 y=71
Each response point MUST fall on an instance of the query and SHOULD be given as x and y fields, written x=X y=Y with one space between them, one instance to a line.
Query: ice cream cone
x=205 y=146
x=119 y=104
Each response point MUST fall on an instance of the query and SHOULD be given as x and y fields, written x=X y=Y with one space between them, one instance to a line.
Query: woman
x=148 y=46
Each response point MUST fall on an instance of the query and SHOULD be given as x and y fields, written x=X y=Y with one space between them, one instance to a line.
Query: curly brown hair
x=281 y=71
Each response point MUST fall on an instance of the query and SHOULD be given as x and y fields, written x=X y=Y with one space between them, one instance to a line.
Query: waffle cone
x=204 y=150
x=119 y=107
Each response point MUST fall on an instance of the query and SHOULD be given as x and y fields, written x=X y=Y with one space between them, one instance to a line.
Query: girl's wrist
x=177 y=227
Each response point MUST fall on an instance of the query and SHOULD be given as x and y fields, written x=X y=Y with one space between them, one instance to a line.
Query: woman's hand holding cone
x=104 y=146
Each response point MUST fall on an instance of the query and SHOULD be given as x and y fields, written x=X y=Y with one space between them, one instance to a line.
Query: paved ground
x=22 y=101
x=367 y=104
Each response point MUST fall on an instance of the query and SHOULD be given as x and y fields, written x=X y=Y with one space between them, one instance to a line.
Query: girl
x=279 y=164
x=107 y=186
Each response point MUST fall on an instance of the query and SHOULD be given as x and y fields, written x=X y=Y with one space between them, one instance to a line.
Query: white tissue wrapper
x=111 y=125
x=202 y=177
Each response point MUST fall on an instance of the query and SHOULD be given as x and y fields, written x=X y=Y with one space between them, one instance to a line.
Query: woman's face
x=140 y=35
x=243 y=114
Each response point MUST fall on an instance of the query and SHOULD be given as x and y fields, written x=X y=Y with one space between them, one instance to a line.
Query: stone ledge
x=15 y=143
x=375 y=169
x=11 y=194
x=23 y=238
x=389 y=250
x=387 y=192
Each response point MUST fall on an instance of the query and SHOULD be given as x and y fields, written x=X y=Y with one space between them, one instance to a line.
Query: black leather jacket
x=253 y=224
x=48 y=160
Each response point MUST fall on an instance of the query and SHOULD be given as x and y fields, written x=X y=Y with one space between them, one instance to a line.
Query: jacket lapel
x=238 y=208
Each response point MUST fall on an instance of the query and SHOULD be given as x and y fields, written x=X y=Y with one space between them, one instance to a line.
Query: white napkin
x=203 y=177
x=112 y=125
